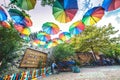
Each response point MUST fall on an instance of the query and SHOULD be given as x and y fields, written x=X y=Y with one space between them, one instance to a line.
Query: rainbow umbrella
x=27 y=21
x=64 y=36
x=3 y=15
x=43 y=36
x=76 y=27
x=26 y=31
x=50 y=28
x=18 y=27
x=64 y=10
x=38 y=42
x=93 y=15
x=25 y=4
x=51 y=44
x=5 y=24
x=110 y=5
x=57 y=40
x=16 y=15
x=26 y=38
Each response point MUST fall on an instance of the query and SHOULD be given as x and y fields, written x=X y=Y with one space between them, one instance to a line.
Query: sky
x=41 y=15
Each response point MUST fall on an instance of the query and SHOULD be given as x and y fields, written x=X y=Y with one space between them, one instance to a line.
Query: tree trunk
x=93 y=54
x=1 y=57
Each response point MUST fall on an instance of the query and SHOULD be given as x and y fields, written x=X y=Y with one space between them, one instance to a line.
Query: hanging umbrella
x=26 y=31
x=64 y=10
x=5 y=24
x=50 y=28
x=43 y=36
x=76 y=27
x=26 y=4
x=59 y=41
x=18 y=27
x=27 y=21
x=26 y=38
x=51 y=44
x=38 y=42
x=93 y=15
x=3 y=15
x=64 y=36
x=16 y=15
x=110 y=5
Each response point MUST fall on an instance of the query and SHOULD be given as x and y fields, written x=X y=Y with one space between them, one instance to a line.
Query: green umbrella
x=26 y=4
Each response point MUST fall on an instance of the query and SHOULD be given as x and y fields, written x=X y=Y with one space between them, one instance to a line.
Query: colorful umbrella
x=16 y=15
x=5 y=24
x=93 y=15
x=38 y=42
x=18 y=27
x=59 y=41
x=50 y=28
x=76 y=27
x=26 y=31
x=110 y=5
x=64 y=10
x=51 y=44
x=27 y=21
x=26 y=38
x=43 y=36
x=64 y=36
x=3 y=15
x=26 y=4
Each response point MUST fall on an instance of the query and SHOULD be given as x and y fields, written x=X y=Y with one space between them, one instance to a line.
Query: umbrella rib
x=93 y=19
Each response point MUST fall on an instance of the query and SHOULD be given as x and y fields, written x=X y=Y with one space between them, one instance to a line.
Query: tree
x=10 y=42
x=94 y=39
x=62 y=52
x=47 y=2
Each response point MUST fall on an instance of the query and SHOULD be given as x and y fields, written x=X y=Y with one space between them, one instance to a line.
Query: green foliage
x=47 y=2
x=113 y=50
x=62 y=52
x=10 y=42
x=94 y=39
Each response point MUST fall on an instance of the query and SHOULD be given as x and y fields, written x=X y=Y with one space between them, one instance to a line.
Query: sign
x=33 y=59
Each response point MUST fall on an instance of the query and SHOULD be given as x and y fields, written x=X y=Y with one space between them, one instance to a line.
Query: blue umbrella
x=3 y=15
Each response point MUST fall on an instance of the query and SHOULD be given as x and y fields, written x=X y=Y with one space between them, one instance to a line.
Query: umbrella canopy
x=110 y=5
x=18 y=27
x=76 y=27
x=43 y=36
x=50 y=28
x=26 y=31
x=26 y=4
x=3 y=15
x=27 y=21
x=51 y=44
x=38 y=42
x=26 y=38
x=59 y=41
x=93 y=15
x=5 y=24
x=64 y=36
x=64 y=10
x=16 y=15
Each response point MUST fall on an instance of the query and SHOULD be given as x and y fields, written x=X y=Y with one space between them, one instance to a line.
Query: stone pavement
x=93 y=73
